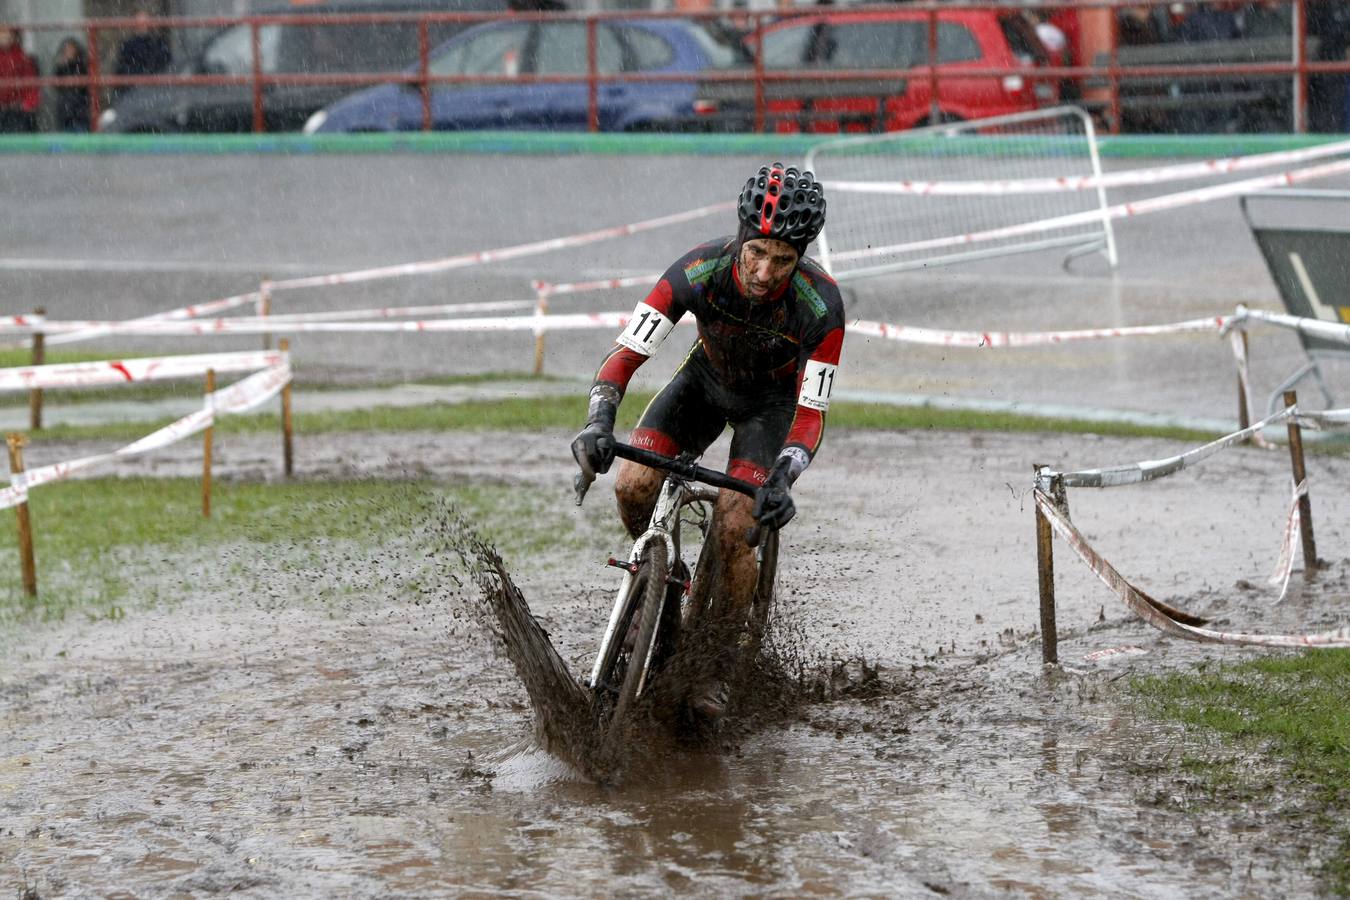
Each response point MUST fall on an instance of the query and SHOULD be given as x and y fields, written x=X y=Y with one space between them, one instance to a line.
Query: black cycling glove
x=773 y=502
x=593 y=448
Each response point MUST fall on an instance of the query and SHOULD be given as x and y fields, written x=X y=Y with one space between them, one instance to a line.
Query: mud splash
x=562 y=722
x=774 y=686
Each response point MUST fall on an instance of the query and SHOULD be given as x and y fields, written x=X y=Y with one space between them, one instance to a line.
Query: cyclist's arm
x=652 y=321
x=815 y=383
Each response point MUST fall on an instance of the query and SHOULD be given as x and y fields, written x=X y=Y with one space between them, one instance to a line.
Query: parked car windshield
x=314 y=49
x=562 y=49
x=231 y=53
x=867 y=44
x=720 y=54
x=496 y=51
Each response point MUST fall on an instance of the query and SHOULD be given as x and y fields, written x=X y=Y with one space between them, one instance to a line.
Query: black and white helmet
x=783 y=203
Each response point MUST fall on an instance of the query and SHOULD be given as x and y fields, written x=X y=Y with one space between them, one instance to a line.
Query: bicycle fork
x=664 y=521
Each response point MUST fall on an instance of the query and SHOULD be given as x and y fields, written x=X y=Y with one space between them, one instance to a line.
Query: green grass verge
x=568 y=411
x=85 y=531
x=1293 y=707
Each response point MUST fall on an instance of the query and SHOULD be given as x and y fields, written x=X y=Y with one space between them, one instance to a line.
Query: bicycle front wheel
x=653 y=572
x=764 y=591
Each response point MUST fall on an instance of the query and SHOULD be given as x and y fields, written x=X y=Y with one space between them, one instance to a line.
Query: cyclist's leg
x=754 y=447
x=680 y=417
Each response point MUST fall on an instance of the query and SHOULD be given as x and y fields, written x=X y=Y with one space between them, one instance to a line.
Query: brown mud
x=335 y=721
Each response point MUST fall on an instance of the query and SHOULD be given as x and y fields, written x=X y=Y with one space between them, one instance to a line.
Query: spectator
x=1209 y=23
x=146 y=52
x=1135 y=25
x=18 y=105
x=1065 y=21
x=1266 y=19
x=72 y=103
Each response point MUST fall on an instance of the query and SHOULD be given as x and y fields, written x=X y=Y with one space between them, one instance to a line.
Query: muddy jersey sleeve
x=651 y=323
x=815 y=383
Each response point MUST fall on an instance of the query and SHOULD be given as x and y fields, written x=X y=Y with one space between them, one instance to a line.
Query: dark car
x=284 y=49
x=551 y=48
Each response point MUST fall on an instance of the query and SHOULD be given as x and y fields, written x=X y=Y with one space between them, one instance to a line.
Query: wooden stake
x=1304 y=502
x=1244 y=414
x=29 y=567
x=287 y=431
x=35 y=395
x=1045 y=572
x=540 y=309
x=265 y=308
x=207 y=439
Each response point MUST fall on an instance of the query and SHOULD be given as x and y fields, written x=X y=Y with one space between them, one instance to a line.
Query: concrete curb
x=566 y=143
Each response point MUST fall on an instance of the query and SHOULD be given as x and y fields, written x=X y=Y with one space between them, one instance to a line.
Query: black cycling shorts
x=694 y=408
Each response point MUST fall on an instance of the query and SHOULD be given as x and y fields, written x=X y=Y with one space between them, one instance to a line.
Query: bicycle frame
x=665 y=526
x=685 y=483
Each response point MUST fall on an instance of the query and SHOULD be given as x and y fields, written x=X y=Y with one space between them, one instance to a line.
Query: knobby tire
x=654 y=568
x=762 y=601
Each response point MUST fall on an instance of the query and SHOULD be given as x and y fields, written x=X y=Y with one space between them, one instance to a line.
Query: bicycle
x=654 y=589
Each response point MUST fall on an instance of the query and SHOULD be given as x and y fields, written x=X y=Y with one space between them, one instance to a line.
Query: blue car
x=515 y=48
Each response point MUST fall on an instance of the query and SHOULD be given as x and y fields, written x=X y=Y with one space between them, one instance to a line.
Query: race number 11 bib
x=646 y=330
x=817 y=384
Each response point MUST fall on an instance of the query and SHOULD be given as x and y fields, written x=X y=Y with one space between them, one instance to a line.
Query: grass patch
x=1293 y=707
x=569 y=411
x=85 y=531
x=14 y=357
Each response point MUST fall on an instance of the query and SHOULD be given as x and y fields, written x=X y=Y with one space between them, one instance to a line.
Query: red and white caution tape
x=1318 y=328
x=194 y=311
x=400 y=312
x=267 y=324
x=1098 y=655
x=549 y=289
x=1289 y=547
x=1132 y=598
x=1324 y=419
x=1129 y=178
x=126 y=371
x=487 y=256
x=240 y=397
x=979 y=339
x=1095 y=216
x=1153 y=469
x=1237 y=340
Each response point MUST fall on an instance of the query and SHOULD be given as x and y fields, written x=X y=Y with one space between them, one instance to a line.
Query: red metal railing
x=1113 y=74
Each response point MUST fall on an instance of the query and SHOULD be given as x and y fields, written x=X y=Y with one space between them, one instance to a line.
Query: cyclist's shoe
x=710 y=700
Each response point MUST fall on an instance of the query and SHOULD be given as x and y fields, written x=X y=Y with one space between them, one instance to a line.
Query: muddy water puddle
x=337 y=734
x=291 y=754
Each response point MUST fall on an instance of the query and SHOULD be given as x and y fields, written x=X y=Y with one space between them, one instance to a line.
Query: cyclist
x=770 y=327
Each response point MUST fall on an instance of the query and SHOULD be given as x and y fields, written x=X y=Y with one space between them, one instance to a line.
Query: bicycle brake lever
x=581 y=483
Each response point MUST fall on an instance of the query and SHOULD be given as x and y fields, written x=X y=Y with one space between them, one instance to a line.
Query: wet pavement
x=180 y=216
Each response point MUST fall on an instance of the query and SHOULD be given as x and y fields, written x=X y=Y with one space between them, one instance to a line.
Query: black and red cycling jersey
x=755 y=350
